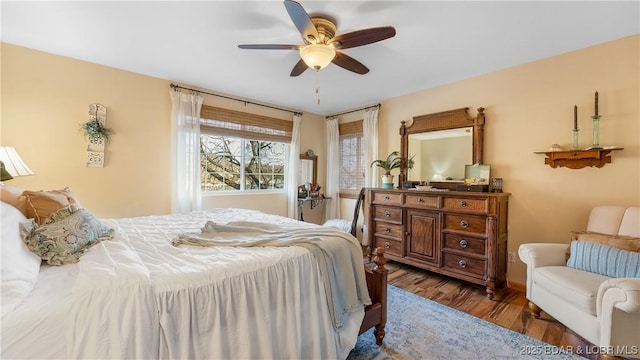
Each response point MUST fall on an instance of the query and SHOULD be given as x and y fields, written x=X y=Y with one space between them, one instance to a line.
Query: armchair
x=602 y=309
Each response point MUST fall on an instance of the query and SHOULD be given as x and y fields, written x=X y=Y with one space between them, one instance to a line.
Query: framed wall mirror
x=308 y=172
x=442 y=144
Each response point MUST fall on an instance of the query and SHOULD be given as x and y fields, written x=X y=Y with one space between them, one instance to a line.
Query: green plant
x=393 y=161
x=93 y=128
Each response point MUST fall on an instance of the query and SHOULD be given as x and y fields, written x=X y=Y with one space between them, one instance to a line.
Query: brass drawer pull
x=387 y=213
x=462 y=263
x=420 y=200
x=463 y=203
x=464 y=224
x=387 y=245
x=387 y=230
x=464 y=243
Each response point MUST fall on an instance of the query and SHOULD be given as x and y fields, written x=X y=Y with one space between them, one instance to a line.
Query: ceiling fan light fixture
x=317 y=56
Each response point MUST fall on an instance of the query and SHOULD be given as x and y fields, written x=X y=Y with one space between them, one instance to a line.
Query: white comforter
x=137 y=296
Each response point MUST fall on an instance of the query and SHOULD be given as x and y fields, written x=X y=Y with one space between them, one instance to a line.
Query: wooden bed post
x=376 y=313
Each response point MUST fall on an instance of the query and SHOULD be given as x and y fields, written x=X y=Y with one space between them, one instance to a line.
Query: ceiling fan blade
x=300 y=67
x=363 y=37
x=302 y=21
x=349 y=63
x=269 y=47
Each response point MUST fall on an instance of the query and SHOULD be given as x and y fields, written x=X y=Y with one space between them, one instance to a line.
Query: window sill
x=246 y=192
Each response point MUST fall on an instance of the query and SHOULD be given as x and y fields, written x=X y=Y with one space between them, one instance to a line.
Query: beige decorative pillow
x=628 y=243
x=41 y=204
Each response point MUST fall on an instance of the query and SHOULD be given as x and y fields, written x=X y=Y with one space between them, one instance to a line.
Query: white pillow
x=12 y=195
x=20 y=267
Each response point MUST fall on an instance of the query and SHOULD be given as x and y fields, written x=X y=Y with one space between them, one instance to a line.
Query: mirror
x=443 y=143
x=443 y=154
x=308 y=172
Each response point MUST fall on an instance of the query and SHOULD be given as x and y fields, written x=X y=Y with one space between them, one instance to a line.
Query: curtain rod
x=175 y=87
x=351 y=111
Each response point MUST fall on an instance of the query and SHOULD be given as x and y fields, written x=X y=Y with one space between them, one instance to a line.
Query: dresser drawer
x=472 y=224
x=465 y=244
x=463 y=264
x=480 y=206
x=387 y=213
x=391 y=247
x=421 y=201
x=386 y=198
x=388 y=229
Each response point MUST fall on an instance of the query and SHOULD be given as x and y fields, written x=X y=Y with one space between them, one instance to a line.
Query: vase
x=387 y=181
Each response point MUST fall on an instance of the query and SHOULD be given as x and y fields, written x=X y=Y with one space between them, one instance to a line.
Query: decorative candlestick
x=596 y=132
x=596 y=125
x=575 y=127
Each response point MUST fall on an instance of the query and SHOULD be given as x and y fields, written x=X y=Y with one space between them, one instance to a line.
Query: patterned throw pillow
x=65 y=235
x=604 y=260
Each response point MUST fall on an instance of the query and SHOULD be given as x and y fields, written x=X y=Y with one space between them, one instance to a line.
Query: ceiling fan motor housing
x=326 y=30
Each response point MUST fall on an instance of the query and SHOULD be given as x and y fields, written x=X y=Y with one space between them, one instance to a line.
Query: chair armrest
x=543 y=254
x=618 y=310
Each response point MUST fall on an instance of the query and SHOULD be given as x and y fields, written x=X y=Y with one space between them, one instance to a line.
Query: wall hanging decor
x=97 y=133
x=595 y=155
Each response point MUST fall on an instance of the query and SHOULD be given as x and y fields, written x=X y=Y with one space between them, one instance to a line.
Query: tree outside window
x=236 y=164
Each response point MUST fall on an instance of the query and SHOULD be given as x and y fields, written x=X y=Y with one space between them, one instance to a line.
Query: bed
x=138 y=295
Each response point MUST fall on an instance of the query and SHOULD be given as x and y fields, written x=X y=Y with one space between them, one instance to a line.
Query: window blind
x=215 y=120
x=351 y=157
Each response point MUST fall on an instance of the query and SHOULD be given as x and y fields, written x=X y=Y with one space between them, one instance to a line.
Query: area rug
x=418 y=328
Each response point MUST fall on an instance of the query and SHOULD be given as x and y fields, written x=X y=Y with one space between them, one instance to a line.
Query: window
x=351 y=157
x=241 y=151
x=232 y=163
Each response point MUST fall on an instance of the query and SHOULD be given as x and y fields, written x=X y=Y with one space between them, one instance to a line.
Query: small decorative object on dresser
x=393 y=161
x=496 y=185
x=462 y=235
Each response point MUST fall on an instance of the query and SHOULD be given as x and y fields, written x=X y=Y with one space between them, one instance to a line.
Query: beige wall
x=529 y=107
x=46 y=97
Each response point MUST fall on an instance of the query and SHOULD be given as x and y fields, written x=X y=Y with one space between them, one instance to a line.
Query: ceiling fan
x=321 y=46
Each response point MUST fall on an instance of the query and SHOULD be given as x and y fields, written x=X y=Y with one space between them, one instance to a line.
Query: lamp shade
x=13 y=164
x=317 y=56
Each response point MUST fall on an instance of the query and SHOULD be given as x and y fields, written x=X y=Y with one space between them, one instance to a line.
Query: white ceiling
x=195 y=43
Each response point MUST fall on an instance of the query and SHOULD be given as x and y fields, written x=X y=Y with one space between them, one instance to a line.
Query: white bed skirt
x=138 y=297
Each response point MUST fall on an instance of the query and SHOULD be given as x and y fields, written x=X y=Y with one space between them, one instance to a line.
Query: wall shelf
x=578 y=159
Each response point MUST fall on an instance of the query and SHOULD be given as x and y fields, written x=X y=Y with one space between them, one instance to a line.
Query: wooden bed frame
x=376 y=274
x=376 y=313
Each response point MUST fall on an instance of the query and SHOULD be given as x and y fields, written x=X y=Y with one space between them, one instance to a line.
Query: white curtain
x=370 y=145
x=294 y=162
x=185 y=169
x=333 y=170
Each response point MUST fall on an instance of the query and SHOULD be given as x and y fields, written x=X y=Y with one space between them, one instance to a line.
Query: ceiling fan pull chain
x=318 y=85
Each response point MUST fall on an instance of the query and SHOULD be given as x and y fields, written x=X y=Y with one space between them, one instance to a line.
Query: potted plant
x=393 y=161
x=93 y=129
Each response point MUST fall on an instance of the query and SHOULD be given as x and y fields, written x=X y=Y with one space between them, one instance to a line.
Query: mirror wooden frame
x=313 y=158
x=451 y=119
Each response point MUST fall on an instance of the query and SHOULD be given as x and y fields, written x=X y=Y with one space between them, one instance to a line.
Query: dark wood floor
x=510 y=309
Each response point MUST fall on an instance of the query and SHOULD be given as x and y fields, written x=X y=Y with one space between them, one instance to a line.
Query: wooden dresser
x=459 y=234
